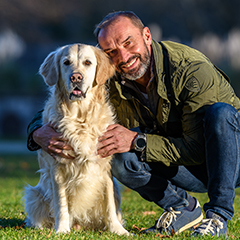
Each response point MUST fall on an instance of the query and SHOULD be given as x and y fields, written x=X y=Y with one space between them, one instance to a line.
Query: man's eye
x=128 y=43
x=112 y=53
x=66 y=62
x=87 y=62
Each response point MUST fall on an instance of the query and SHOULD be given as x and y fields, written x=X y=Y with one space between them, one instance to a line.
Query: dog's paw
x=122 y=232
x=119 y=230
x=62 y=230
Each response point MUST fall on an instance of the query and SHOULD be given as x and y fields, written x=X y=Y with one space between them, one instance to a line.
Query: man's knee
x=128 y=170
x=217 y=115
x=117 y=166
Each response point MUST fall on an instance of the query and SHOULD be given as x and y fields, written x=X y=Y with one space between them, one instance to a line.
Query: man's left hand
x=117 y=139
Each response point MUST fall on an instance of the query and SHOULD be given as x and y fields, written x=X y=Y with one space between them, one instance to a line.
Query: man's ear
x=147 y=36
x=105 y=68
x=49 y=68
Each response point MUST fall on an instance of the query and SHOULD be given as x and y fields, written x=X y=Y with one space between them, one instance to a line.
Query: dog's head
x=79 y=67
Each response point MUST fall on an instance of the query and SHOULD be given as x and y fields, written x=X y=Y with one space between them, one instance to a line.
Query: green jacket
x=196 y=83
x=175 y=132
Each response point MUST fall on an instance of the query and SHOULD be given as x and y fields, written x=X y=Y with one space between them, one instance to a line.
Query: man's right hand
x=52 y=141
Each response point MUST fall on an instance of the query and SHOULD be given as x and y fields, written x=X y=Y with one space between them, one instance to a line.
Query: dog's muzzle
x=76 y=84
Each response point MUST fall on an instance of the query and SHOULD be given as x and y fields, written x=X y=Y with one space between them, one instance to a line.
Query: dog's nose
x=76 y=77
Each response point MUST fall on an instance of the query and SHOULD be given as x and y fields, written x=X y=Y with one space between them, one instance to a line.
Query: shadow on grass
x=14 y=223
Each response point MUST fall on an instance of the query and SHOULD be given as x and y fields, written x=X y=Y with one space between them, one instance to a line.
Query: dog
x=78 y=192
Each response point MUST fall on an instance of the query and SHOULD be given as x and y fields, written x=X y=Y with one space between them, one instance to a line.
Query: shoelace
x=166 y=219
x=212 y=224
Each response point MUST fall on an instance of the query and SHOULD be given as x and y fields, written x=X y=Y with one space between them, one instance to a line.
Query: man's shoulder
x=179 y=51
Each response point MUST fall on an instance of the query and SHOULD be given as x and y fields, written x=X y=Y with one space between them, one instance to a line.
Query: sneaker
x=213 y=225
x=174 y=222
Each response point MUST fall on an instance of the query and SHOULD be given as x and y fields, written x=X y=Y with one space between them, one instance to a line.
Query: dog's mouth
x=77 y=94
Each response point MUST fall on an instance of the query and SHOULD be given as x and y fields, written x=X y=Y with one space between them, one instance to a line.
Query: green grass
x=17 y=171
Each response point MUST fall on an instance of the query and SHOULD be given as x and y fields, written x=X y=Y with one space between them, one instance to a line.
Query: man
x=178 y=127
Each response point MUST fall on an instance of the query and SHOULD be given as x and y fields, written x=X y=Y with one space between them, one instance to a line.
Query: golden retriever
x=79 y=192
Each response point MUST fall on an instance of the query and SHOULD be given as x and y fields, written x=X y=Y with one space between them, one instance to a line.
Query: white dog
x=79 y=191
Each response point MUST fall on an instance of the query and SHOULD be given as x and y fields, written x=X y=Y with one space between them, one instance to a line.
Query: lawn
x=17 y=171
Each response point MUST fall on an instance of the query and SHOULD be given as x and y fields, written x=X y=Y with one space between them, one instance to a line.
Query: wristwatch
x=139 y=143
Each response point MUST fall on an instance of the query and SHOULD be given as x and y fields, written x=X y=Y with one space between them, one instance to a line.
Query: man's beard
x=142 y=68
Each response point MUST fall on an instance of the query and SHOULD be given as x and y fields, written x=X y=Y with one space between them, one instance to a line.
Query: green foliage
x=17 y=171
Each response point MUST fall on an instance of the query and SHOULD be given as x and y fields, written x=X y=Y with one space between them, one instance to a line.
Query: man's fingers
x=110 y=132
x=60 y=144
x=67 y=147
x=52 y=141
x=104 y=143
x=105 y=136
x=54 y=151
x=106 y=153
x=107 y=150
x=56 y=147
x=117 y=139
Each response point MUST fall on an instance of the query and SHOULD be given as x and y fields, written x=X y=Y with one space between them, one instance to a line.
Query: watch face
x=141 y=143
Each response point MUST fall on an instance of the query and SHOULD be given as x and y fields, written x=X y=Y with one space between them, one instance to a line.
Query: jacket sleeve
x=33 y=125
x=199 y=88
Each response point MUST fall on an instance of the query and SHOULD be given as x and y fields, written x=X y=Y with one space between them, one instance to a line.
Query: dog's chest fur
x=81 y=123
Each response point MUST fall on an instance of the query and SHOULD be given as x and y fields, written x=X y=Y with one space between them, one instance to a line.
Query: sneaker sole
x=191 y=224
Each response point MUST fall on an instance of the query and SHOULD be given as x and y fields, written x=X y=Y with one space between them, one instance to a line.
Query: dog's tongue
x=77 y=92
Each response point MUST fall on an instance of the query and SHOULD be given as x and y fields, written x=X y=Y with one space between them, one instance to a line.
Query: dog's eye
x=87 y=62
x=66 y=62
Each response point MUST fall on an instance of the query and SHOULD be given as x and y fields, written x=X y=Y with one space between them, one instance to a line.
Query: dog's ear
x=49 y=68
x=105 y=68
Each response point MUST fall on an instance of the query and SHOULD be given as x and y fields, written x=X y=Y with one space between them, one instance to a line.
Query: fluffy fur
x=78 y=192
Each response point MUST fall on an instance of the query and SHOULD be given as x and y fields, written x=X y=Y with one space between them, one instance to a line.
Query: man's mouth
x=131 y=63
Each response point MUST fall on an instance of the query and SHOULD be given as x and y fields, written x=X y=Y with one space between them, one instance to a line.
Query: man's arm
x=34 y=125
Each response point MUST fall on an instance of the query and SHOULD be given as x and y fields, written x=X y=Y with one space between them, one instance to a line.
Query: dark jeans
x=219 y=175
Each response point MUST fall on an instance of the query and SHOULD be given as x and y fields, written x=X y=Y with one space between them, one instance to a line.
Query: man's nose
x=123 y=55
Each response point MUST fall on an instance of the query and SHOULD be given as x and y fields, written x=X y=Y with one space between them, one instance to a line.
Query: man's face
x=128 y=47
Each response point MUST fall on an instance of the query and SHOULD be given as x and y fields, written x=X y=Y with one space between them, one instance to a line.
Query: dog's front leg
x=62 y=222
x=112 y=211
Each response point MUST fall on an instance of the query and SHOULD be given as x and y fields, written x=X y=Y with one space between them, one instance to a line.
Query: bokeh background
x=30 y=29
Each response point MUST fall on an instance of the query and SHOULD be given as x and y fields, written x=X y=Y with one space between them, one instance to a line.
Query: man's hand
x=117 y=139
x=51 y=141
